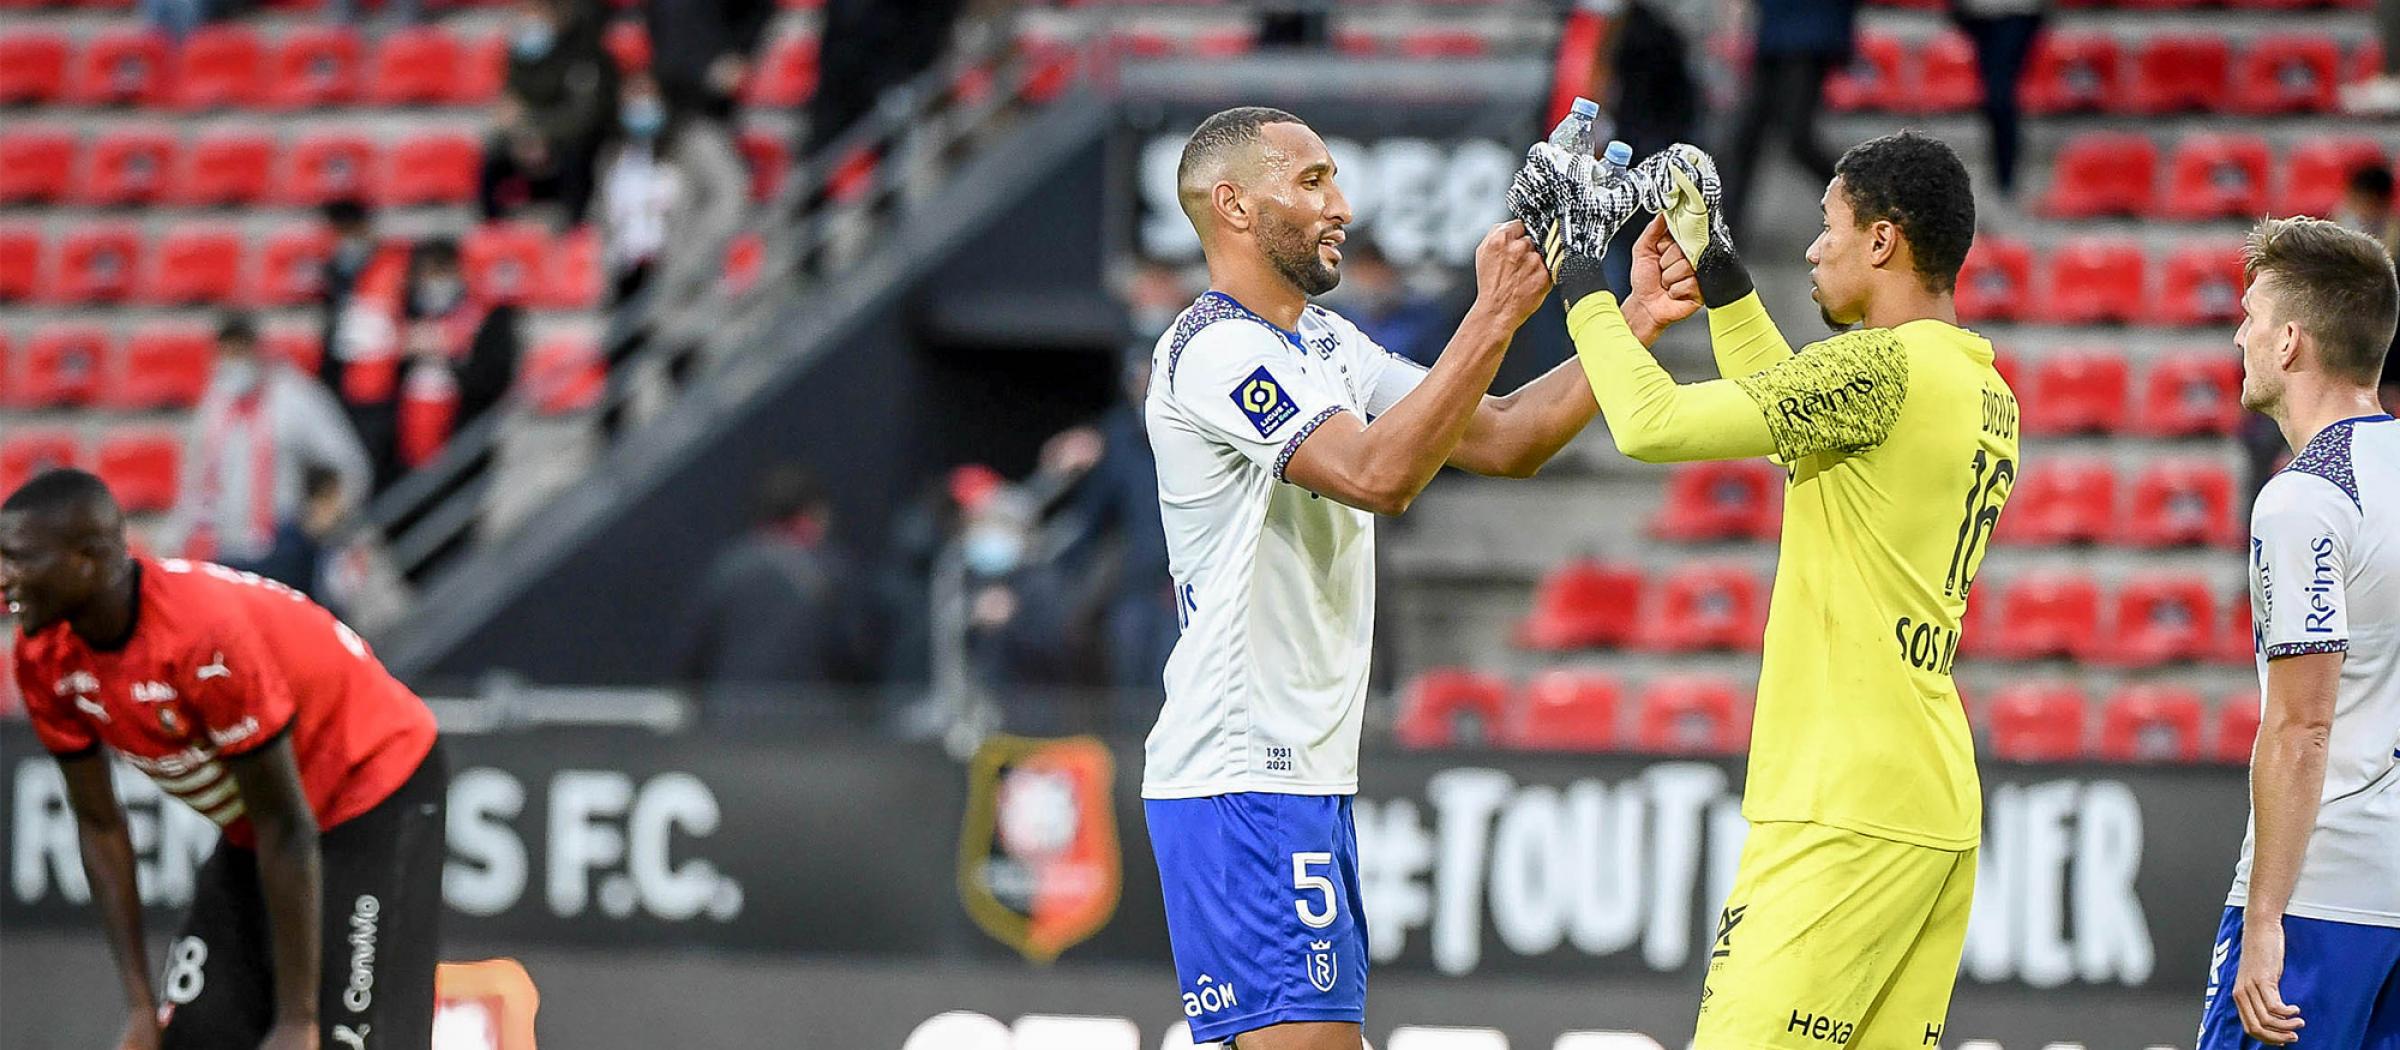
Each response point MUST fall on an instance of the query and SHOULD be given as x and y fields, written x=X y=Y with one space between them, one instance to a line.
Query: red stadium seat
x=121 y=67
x=1690 y=716
x=327 y=166
x=2366 y=61
x=222 y=65
x=2162 y=619
x=2203 y=285
x=301 y=347
x=2320 y=170
x=232 y=167
x=1565 y=710
x=2096 y=279
x=504 y=261
x=26 y=452
x=2150 y=723
x=1996 y=282
x=2075 y=392
x=2236 y=729
x=2037 y=722
x=37 y=164
x=96 y=264
x=769 y=160
x=1446 y=706
x=62 y=365
x=1443 y=43
x=573 y=280
x=2103 y=173
x=484 y=67
x=2072 y=72
x=2047 y=614
x=2235 y=643
x=1214 y=43
x=1946 y=80
x=33 y=66
x=141 y=468
x=418 y=66
x=2286 y=74
x=128 y=167
x=629 y=44
x=1875 y=79
x=1729 y=499
x=315 y=67
x=2197 y=392
x=2061 y=501
x=432 y=168
x=162 y=368
x=562 y=375
x=787 y=76
x=2218 y=177
x=20 y=263
x=291 y=267
x=2174 y=73
x=1704 y=606
x=194 y=265
x=1582 y=604
x=2179 y=502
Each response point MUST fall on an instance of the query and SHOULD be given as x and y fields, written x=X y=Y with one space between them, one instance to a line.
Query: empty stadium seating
x=2319 y=169
x=2285 y=74
x=2236 y=729
x=1733 y=499
x=2160 y=619
x=62 y=365
x=141 y=468
x=1694 y=715
x=2072 y=72
x=2103 y=173
x=2043 y=614
x=228 y=167
x=2061 y=501
x=1996 y=282
x=1582 y=604
x=1704 y=605
x=1441 y=707
x=2037 y=722
x=33 y=65
x=1565 y=710
x=37 y=164
x=219 y=66
x=2201 y=284
x=2094 y=280
x=2072 y=392
x=162 y=367
x=194 y=265
x=2217 y=176
x=28 y=451
x=2175 y=73
x=2192 y=393
x=2181 y=502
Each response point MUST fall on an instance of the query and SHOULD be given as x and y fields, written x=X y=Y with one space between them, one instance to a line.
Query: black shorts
x=382 y=899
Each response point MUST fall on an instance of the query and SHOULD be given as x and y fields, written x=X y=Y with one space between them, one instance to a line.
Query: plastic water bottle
x=1574 y=132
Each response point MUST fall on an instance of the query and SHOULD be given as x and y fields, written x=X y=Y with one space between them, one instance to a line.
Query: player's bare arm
x=2287 y=781
x=108 y=866
x=1385 y=472
x=1514 y=434
x=290 y=872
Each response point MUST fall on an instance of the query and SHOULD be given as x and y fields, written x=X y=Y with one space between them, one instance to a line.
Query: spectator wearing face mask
x=459 y=354
x=557 y=106
x=640 y=191
x=701 y=53
x=359 y=259
x=261 y=425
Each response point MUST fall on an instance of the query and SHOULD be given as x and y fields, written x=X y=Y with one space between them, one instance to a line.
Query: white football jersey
x=1275 y=586
x=2325 y=577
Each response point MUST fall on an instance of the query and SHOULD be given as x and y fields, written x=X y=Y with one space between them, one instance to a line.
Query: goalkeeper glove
x=1682 y=186
x=1572 y=207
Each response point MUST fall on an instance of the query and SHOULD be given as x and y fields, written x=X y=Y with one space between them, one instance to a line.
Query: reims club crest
x=1038 y=864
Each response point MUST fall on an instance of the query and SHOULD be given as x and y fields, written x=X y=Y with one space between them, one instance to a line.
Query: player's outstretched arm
x=1414 y=437
x=290 y=877
x=108 y=866
x=1689 y=199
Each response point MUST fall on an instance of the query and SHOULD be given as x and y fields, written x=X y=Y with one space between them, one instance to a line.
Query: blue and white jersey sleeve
x=1244 y=385
x=1379 y=377
x=2300 y=547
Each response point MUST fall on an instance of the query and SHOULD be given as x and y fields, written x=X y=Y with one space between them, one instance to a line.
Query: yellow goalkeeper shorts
x=1835 y=939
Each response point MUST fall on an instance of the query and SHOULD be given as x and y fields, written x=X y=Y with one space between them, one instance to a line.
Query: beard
x=1293 y=253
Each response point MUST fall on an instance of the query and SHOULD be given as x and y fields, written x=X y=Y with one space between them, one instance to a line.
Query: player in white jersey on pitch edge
x=1280 y=431
x=2311 y=933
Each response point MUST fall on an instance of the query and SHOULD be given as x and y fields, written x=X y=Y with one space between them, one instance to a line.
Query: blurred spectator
x=461 y=353
x=701 y=53
x=177 y=18
x=556 y=109
x=303 y=541
x=2367 y=205
x=1155 y=295
x=359 y=260
x=2005 y=33
x=779 y=607
x=1295 y=23
x=639 y=191
x=1643 y=70
x=398 y=12
x=1795 y=44
x=260 y=426
x=1378 y=299
x=1003 y=620
x=2379 y=95
x=1114 y=512
x=865 y=48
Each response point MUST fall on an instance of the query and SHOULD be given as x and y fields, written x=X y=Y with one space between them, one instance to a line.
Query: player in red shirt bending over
x=314 y=922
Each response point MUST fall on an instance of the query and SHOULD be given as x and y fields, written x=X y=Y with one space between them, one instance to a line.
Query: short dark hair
x=1221 y=132
x=433 y=250
x=1916 y=183
x=318 y=480
x=345 y=211
x=235 y=326
x=2336 y=284
x=2374 y=180
x=63 y=488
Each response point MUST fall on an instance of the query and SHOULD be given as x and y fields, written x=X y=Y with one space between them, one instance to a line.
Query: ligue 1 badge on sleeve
x=1038 y=863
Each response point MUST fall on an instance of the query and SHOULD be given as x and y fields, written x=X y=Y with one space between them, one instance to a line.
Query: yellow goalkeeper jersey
x=1902 y=447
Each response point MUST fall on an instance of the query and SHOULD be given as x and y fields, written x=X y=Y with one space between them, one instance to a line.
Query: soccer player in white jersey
x=2311 y=933
x=1280 y=432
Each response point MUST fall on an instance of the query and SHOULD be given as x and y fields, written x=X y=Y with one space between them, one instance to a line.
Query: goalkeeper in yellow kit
x=1849 y=910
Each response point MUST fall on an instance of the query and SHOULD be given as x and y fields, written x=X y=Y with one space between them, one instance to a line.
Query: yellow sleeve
x=1839 y=395
x=1652 y=418
x=1745 y=338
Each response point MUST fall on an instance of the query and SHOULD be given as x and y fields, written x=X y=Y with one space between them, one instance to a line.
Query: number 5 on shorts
x=1306 y=883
